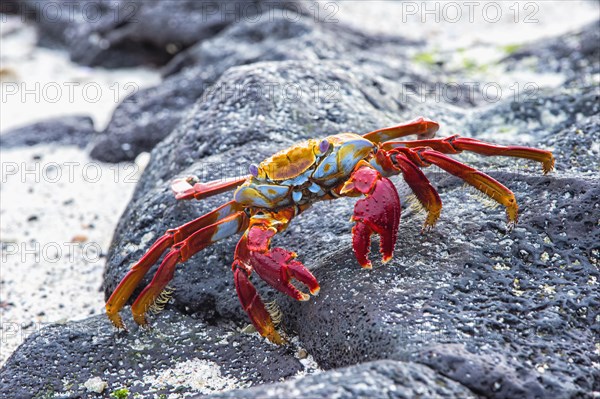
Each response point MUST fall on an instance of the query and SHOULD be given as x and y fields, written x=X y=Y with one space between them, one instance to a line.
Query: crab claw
x=378 y=212
x=277 y=267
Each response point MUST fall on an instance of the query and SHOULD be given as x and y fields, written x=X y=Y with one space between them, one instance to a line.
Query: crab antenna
x=184 y=190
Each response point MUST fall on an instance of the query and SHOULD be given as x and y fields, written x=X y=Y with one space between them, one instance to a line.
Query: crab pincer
x=277 y=267
x=378 y=212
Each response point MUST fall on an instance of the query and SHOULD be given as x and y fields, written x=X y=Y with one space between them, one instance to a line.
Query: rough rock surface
x=472 y=305
x=179 y=354
x=454 y=299
x=380 y=379
x=123 y=33
x=74 y=130
x=473 y=283
x=148 y=116
x=565 y=121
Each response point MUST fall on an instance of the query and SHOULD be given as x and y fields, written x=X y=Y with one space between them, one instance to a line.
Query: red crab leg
x=131 y=280
x=427 y=196
x=184 y=190
x=275 y=266
x=455 y=144
x=482 y=182
x=181 y=252
x=378 y=212
x=420 y=126
x=393 y=161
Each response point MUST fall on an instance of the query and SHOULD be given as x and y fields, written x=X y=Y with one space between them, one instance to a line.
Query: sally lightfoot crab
x=288 y=183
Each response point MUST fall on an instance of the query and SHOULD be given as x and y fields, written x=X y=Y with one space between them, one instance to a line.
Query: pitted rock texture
x=518 y=296
x=565 y=122
x=58 y=360
x=148 y=116
x=127 y=33
x=472 y=299
x=380 y=379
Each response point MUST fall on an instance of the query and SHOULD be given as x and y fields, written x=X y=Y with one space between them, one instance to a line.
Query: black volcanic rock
x=58 y=360
x=380 y=379
x=147 y=117
x=66 y=130
x=469 y=309
x=126 y=33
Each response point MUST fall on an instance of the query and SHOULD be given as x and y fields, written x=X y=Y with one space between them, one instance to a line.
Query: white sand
x=56 y=223
x=452 y=25
x=39 y=83
x=44 y=276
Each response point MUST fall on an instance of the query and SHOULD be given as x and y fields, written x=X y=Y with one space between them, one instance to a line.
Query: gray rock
x=548 y=111
x=9 y=7
x=456 y=299
x=67 y=130
x=577 y=145
x=506 y=313
x=289 y=37
x=147 y=117
x=179 y=355
x=380 y=379
x=127 y=33
x=565 y=121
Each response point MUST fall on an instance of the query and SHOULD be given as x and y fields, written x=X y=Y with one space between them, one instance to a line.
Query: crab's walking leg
x=184 y=190
x=392 y=162
x=276 y=266
x=420 y=126
x=173 y=236
x=427 y=196
x=455 y=144
x=378 y=212
x=482 y=182
x=181 y=252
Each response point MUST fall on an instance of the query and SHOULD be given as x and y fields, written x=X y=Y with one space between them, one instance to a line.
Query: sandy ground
x=57 y=221
x=454 y=25
x=58 y=208
x=58 y=212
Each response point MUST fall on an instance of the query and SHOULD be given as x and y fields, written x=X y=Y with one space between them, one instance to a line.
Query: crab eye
x=253 y=169
x=323 y=146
